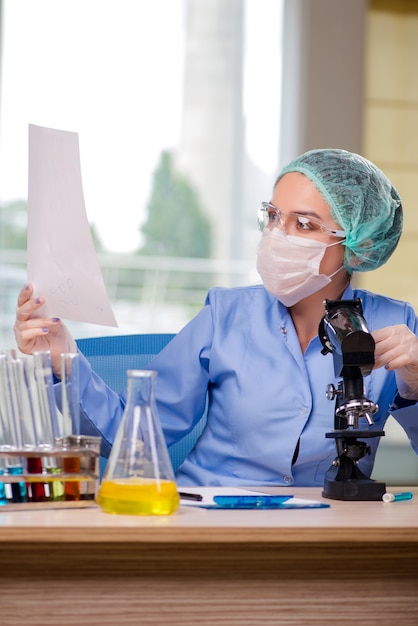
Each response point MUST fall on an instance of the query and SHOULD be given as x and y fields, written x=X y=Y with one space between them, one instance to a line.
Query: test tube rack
x=62 y=475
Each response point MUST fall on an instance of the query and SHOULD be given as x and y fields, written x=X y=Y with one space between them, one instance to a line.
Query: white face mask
x=289 y=266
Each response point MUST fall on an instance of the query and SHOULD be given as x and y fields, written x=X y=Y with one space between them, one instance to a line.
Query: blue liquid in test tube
x=19 y=493
x=3 y=498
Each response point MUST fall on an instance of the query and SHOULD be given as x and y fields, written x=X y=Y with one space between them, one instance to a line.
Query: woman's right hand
x=34 y=333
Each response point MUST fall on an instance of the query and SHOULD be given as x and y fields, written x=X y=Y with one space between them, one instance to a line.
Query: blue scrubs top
x=265 y=395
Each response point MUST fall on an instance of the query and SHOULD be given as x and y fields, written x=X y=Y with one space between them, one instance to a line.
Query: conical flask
x=139 y=477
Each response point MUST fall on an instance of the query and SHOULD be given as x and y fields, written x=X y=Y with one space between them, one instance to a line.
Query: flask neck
x=141 y=387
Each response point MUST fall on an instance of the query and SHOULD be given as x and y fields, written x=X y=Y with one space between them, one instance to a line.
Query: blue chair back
x=111 y=356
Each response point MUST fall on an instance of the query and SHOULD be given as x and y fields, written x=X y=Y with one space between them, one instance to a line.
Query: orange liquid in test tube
x=71 y=465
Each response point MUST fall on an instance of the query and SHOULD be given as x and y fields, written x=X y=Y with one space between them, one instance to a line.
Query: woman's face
x=294 y=193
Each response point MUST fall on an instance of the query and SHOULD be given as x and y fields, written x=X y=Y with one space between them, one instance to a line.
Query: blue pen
x=262 y=502
x=397 y=497
x=251 y=502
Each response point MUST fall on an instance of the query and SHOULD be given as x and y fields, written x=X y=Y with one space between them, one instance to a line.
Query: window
x=135 y=79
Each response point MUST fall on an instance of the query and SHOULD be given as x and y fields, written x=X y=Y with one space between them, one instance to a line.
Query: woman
x=255 y=350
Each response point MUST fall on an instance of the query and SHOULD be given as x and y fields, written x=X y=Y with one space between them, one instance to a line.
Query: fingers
x=24 y=294
x=382 y=345
x=397 y=349
x=396 y=346
x=26 y=311
x=33 y=332
x=27 y=305
x=37 y=326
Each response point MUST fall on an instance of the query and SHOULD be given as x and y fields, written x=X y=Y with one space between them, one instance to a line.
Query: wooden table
x=355 y=562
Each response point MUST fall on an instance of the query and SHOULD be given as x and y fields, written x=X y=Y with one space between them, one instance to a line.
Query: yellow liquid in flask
x=138 y=496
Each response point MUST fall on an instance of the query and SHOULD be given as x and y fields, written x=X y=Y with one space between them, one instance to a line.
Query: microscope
x=343 y=332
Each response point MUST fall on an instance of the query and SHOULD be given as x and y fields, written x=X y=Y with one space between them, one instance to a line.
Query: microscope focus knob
x=331 y=392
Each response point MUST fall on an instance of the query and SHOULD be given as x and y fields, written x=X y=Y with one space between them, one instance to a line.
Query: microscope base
x=353 y=489
x=344 y=480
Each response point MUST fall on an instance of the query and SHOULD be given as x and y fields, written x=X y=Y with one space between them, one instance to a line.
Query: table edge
x=230 y=535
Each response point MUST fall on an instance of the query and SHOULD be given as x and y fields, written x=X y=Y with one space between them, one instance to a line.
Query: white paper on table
x=62 y=261
x=208 y=494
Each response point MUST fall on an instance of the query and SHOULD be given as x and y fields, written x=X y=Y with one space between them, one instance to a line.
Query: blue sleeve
x=407 y=417
x=101 y=409
x=183 y=377
x=181 y=386
x=404 y=411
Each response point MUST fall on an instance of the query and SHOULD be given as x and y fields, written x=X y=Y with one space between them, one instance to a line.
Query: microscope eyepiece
x=343 y=331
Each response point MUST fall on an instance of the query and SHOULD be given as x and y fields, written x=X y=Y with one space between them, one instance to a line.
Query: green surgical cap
x=362 y=200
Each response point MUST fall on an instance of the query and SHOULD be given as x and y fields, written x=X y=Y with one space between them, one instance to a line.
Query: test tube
x=13 y=414
x=3 y=435
x=5 y=420
x=70 y=394
x=5 y=404
x=46 y=417
x=48 y=426
x=28 y=435
x=3 y=497
x=70 y=407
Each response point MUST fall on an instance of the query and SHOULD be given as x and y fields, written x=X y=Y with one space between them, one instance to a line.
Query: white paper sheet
x=209 y=493
x=62 y=261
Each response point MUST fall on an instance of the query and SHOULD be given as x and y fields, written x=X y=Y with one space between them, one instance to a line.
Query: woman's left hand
x=397 y=349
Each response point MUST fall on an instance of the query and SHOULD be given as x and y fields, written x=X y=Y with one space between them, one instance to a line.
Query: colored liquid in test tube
x=3 y=497
x=36 y=490
x=72 y=487
x=56 y=485
x=19 y=491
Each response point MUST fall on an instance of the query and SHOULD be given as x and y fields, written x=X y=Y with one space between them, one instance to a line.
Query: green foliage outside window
x=176 y=224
